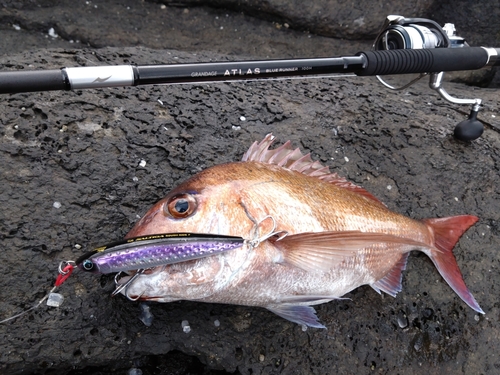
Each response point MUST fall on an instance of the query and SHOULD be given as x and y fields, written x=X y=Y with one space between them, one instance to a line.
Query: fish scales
x=339 y=237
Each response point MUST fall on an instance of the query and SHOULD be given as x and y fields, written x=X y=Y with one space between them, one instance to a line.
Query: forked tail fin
x=447 y=231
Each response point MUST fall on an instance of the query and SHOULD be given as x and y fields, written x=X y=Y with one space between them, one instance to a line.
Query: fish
x=311 y=236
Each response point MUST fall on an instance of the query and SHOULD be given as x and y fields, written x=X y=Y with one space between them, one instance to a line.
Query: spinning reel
x=420 y=33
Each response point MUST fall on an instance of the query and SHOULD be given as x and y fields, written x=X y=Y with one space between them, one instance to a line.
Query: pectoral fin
x=313 y=299
x=322 y=251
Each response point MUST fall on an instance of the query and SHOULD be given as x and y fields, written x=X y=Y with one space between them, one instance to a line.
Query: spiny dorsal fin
x=293 y=159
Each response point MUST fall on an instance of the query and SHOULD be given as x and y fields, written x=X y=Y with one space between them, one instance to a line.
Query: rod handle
x=33 y=80
x=435 y=60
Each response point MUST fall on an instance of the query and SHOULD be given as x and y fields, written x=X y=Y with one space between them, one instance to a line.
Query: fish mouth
x=123 y=283
x=124 y=277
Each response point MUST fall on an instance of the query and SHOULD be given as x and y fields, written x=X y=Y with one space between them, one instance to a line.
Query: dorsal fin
x=287 y=157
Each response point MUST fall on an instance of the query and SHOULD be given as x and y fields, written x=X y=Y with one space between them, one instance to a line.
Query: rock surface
x=72 y=179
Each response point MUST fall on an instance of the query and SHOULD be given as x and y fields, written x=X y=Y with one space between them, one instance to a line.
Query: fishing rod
x=403 y=46
x=369 y=63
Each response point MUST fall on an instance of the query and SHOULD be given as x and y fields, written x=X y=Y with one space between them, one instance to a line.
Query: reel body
x=399 y=32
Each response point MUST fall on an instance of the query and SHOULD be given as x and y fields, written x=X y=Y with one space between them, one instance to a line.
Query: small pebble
x=402 y=320
x=216 y=323
x=145 y=316
x=427 y=313
x=55 y=299
x=78 y=246
x=346 y=158
x=57 y=205
x=185 y=326
x=135 y=179
x=134 y=371
x=243 y=118
x=16 y=27
x=52 y=33
x=418 y=344
x=142 y=163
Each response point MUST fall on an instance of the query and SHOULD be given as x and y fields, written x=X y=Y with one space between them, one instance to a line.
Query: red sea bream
x=312 y=237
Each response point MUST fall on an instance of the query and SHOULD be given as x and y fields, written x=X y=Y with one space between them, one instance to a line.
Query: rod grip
x=34 y=80
x=435 y=60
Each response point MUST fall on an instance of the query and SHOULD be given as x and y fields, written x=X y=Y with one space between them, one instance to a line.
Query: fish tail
x=447 y=231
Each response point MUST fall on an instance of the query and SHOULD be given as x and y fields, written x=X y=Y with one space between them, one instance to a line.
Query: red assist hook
x=65 y=270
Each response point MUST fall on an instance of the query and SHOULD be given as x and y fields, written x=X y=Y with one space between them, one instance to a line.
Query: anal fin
x=299 y=314
x=391 y=283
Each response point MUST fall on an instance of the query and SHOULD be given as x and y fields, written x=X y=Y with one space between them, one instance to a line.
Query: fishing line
x=53 y=299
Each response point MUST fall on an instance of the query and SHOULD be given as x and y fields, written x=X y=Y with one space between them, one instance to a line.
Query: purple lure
x=156 y=250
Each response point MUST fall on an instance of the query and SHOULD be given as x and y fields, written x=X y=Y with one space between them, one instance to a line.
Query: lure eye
x=181 y=206
x=88 y=265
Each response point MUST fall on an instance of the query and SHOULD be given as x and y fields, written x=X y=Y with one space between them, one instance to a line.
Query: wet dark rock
x=340 y=19
x=70 y=156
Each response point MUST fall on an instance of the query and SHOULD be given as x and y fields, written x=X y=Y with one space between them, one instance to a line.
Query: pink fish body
x=311 y=237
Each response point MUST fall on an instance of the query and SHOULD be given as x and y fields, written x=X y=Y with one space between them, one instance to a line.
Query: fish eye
x=181 y=206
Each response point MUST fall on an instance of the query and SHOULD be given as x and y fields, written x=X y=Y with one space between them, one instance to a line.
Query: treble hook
x=126 y=285
x=257 y=240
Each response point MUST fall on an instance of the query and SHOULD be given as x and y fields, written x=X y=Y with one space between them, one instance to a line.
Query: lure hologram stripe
x=147 y=253
x=167 y=237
